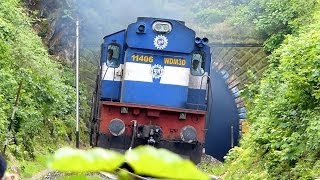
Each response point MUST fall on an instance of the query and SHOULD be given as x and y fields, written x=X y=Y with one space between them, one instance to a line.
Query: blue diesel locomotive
x=152 y=88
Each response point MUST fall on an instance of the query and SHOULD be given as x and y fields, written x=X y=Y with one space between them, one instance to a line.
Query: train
x=152 y=88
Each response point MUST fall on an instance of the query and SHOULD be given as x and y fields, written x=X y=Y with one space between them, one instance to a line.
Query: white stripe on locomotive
x=172 y=75
x=111 y=74
x=137 y=72
x=175 y=76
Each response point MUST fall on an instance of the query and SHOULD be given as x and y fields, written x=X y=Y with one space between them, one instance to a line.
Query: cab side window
x=197 y=64
x=113 y=56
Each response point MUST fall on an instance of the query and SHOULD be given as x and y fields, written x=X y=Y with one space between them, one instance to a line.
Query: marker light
x=141 y=28
x=161 y=27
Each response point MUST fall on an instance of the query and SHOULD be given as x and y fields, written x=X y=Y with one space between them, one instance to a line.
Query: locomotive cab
x=149 y=89
x=198 y=91
x=112 y=55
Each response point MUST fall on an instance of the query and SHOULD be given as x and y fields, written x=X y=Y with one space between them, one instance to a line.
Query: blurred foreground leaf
x=144 y=160
x=161 y=163
x=93 y=160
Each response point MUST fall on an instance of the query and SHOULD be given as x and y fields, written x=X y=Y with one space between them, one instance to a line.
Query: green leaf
x=93 y=160
x=106 y=160
x=161 y=163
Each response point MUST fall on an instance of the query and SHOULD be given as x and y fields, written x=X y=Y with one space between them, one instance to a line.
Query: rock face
x=54 y=23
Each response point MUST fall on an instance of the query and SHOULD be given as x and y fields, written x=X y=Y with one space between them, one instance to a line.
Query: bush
x=283 y=142
x=46 y=111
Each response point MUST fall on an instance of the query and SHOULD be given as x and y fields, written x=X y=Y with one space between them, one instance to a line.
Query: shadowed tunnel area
x=223 y=120
x=226 y=119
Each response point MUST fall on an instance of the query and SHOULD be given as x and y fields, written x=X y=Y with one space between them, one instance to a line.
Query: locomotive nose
x=188 y=134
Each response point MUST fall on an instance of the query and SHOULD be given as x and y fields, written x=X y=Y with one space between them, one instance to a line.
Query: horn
x=197 y=40
x=205 y=40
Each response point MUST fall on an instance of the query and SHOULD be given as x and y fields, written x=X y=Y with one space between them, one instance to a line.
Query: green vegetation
x=248 y=21
x=144 y=160
x=222 y=21
x=30 y=168
x=284 y=107
x=274 y=19
x=45 y=116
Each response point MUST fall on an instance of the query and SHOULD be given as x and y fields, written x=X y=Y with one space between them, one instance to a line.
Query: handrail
x=205 y=75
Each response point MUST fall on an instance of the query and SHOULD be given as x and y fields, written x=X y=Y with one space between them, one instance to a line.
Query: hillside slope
x=284 y=113
x=45 y=115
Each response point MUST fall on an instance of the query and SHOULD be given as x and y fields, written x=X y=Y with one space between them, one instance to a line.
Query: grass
x=216 y=169
x=30 y=168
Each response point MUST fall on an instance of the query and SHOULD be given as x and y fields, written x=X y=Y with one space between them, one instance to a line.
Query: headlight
x=188 y=134
x=116 y=127
x=161 y=27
